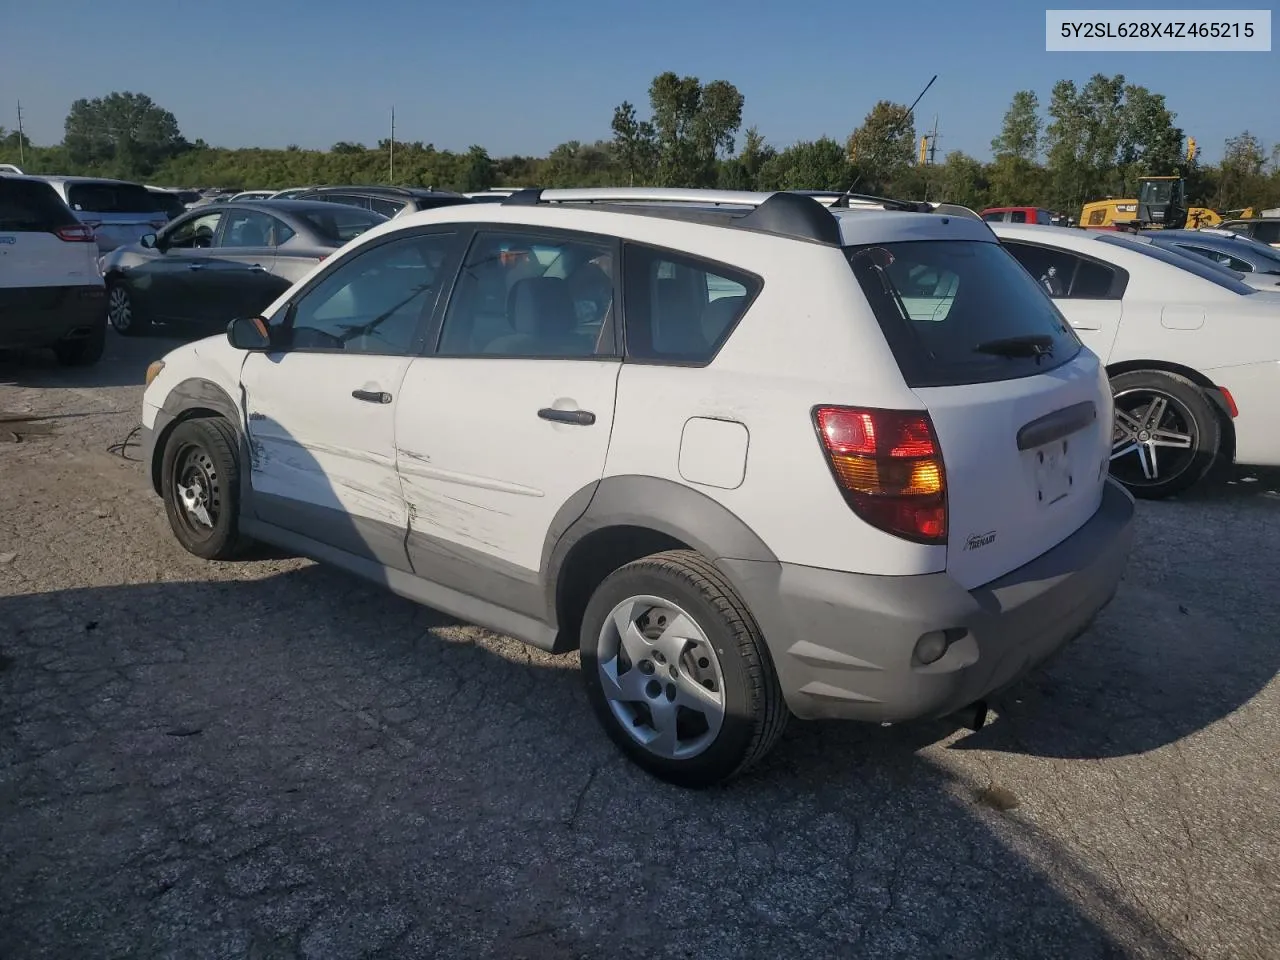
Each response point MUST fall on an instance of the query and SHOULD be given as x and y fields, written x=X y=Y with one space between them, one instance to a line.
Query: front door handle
x=258 y=268
x=195 y=266
x=581 y=418
x=372 y=396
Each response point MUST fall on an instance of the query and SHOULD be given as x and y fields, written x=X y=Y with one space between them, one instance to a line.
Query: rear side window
x=681 y=309
x=1268 y=231
x=1067 y=276
x=111 y=198
x=956 y=312
x=1017 y=216
x=340 y=224
x=32 y=205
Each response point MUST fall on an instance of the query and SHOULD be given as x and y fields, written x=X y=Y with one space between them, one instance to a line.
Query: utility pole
x=933 y=141
x=393 y=145
x=22 y=152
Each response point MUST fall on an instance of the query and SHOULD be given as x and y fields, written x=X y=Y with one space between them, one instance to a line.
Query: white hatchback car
x=750 y=456
x=1193 y=353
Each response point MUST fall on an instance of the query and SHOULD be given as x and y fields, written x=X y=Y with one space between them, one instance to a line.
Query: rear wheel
x=677 y=671
x=83 y=351
x=122 y=313
x=1166 y=434
x=200 y=475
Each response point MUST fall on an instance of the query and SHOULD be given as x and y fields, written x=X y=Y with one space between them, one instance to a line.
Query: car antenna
x=844 y=197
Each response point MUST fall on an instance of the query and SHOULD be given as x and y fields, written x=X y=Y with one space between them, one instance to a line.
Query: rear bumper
x=844 y=643
x=41 y=316
x=1255 y=388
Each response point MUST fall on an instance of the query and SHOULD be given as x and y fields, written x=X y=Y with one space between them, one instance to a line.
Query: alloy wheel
x=1154 y=439
x=119 y=309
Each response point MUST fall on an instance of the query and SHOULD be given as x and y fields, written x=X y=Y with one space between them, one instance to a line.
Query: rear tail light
x=888 y=465
x=79 y=233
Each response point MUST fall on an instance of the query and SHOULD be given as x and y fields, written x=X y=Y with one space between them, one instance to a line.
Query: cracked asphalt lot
x=270 y=759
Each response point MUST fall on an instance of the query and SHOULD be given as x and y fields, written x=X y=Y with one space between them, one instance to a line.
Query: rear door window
x=957 y=312
x=111 y=198
x=1017 y=216
x=388 y=208
x=248 y=228
x=32 y=205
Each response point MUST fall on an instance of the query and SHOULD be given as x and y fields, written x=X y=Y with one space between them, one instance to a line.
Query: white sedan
x=1193 y=353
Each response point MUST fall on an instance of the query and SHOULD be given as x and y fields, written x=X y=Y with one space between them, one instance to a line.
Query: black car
x=388 y=201
x=222 y=261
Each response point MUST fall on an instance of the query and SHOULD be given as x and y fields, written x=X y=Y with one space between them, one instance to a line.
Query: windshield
x=1197 y=265
x=342 y=223
x=1156 y=191
x=943 y=304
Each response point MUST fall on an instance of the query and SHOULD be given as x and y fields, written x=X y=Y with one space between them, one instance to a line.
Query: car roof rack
x=779 y=213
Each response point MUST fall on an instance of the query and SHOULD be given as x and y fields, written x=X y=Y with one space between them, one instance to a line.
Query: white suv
x=752 y=456
x=51 y=294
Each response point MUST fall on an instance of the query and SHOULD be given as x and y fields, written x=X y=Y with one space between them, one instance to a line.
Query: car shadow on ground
x=1185 y=644
x=304 y=765
x=124 y=364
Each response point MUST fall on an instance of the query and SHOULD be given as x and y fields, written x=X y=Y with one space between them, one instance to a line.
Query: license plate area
x=1053 y=471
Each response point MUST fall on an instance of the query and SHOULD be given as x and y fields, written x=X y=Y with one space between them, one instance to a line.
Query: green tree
x=963 y=180
x=127 y=132
x=1150 y=143
x=1241 y=180
x=634 y=143
x=693 y=125
x=883 y=148
x=742 y=172
x=820 y=164
x=1064 y=138
x=1020 y=133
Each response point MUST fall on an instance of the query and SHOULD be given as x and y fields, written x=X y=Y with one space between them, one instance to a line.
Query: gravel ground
x=270 y=759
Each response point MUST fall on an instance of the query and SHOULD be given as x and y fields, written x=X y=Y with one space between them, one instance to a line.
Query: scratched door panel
x=322 y=460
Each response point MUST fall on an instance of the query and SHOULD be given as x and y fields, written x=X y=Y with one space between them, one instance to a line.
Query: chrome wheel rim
x=1154 y=439
x=661 y=677
x=119 y=310
x=196 y=491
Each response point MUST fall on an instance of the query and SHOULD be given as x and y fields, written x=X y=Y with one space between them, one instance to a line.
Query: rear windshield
x=342 y=223
x=111 y=198
x=959 y=312
x=31 y=205
x=1205 y=271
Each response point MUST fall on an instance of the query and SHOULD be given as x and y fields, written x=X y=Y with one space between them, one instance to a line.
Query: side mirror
x=148 y=240
x=249 y=333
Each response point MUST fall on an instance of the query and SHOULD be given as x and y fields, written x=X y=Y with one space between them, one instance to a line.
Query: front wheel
x=677 y=671
x=1166 y=434
x=200 y=471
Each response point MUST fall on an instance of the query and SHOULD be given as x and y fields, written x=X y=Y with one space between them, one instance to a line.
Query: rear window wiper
x=1036 y=345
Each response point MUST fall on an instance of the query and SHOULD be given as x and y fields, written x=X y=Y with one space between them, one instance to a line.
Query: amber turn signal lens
x=153 y=371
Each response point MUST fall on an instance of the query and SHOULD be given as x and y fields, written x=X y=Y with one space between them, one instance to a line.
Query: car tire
x=200 y=484
x=696 y=701
x=83 y=351
x=1166 y=436
x=122 y=312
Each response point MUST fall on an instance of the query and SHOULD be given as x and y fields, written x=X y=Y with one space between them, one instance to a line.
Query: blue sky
x=522 y=77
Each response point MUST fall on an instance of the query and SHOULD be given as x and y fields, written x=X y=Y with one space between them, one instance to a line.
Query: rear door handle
x=195 y=266
x=372 y=396
x=581 y=418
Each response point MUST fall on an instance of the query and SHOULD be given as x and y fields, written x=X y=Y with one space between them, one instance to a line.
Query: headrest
x=541 y=306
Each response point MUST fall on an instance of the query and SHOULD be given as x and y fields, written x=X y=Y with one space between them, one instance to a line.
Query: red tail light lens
x=888 y=465
x=75 y=234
